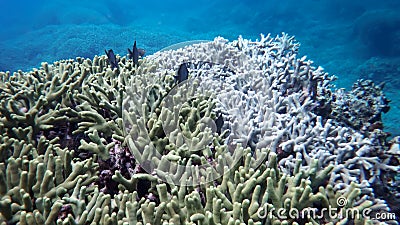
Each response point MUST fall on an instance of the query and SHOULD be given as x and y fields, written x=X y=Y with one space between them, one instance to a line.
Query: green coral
x=33 y=185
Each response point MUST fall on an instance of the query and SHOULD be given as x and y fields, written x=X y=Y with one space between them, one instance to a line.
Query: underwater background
x=350 y=39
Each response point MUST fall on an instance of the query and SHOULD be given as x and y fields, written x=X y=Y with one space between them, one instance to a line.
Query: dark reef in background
x=381 y=70
x=379 y=31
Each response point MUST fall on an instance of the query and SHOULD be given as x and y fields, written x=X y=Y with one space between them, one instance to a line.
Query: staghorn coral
x=33 y=183
x=133 y=147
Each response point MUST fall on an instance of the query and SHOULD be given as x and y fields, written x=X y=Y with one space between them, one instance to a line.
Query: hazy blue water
x=351 y=39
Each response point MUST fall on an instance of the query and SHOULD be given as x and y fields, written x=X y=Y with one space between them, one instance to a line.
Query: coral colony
x=211 y=133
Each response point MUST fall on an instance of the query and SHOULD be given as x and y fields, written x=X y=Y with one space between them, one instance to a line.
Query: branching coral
x=249 y=132
x=33 y=183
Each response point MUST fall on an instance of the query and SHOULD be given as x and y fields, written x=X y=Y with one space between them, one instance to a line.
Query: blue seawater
x=350 y=39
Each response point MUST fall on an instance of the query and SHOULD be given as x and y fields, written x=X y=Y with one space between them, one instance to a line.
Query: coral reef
x=252 y=131
x=361 y=108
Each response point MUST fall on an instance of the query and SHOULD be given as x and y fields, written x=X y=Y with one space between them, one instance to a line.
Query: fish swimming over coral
x=112 y=59
x=135 y=53
x=219 y=122
x=182 y=74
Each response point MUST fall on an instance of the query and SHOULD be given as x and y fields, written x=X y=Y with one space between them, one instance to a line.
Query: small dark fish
x=219 y=122
x=135 y=53
x=112 y=59
x=183 y=73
